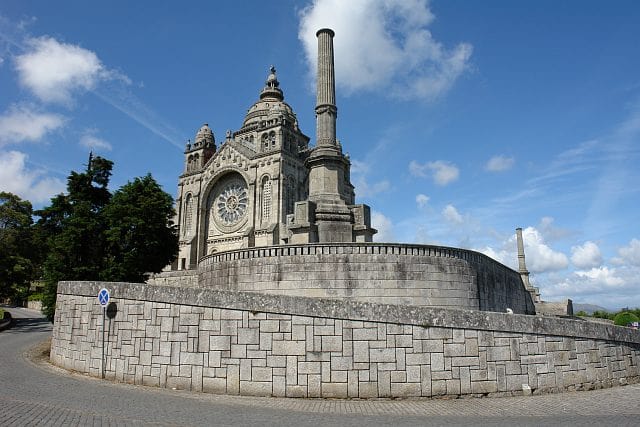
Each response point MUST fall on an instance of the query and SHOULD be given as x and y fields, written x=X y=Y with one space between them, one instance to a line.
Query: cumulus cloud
x=54 y=71
x=17 y=178
x=451 y=215
x=586 y=256
x=422 y=200
x=602 y=276
x=499 y=163
x=630 y=254
x=384 y=226
x=384 y=44
x=539 y=256
x=442 y=172
x=22 y=123
x=92 y=142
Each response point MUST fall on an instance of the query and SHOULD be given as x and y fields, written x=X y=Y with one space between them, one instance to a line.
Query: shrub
x=35 y=297
x=624 y=318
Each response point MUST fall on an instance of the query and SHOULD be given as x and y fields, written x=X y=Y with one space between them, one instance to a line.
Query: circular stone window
x=230 y=202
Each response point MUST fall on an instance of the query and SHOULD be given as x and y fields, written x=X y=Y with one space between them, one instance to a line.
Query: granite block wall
x=372 y=272
x=258 y=344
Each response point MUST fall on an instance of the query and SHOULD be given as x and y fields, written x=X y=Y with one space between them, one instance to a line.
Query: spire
x=272 y=86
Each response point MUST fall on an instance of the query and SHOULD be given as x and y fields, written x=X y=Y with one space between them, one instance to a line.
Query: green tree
x=74 y=230
x=623 y=318
x=17 y=252
x=140 y=235
x=92 y=235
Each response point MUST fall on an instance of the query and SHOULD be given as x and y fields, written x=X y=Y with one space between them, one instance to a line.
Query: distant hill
x=590 y=308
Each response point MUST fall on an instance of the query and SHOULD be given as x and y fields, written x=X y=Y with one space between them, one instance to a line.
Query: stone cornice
x=350 y=310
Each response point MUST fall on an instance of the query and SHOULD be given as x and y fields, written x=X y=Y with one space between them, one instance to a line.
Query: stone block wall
x=383 y=273
x=258 y=344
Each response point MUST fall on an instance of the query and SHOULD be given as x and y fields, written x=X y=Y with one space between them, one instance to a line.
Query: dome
x=204 y=136
x=271 y=104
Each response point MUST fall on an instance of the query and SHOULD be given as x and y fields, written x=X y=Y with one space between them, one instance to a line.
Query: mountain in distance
x=590 y=308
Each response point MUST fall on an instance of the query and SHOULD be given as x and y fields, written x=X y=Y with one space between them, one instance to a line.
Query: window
x=266 y=199
x=188 y=215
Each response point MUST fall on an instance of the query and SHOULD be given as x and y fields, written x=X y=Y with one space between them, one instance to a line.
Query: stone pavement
x=34 y=393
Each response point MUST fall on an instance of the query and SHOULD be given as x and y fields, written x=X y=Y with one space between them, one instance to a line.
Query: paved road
x=34 y=393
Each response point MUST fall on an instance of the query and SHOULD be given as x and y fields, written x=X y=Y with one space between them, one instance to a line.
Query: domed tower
x=200 y=151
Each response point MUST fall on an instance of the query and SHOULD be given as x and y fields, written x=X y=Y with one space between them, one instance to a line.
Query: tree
x=74 y=230
x=92 y=235
x=140 y=235
x=17 y=266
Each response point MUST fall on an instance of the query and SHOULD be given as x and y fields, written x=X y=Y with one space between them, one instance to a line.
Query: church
x=265 y=185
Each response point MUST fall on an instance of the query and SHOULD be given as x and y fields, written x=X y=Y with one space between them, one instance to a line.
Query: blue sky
x=464 y=120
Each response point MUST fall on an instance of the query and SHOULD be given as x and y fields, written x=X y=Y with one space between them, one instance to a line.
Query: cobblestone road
x=34 y=393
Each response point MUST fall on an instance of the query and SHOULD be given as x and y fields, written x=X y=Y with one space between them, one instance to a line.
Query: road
x=32 y=392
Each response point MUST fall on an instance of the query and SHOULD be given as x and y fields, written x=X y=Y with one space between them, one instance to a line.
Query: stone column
x=326 y=110
x=522 y=267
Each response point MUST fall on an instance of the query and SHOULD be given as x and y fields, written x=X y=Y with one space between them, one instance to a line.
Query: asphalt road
x=32 y=392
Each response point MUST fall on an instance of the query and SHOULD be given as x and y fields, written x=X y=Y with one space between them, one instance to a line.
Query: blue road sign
x=103 y=297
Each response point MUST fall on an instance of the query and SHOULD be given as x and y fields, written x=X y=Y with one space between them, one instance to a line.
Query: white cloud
x=602 y=276
x=443 y=172
x=586 y=256
x=384 y=45
x=32 y=185
x=451 y=215
x=499 y=163
x=384 y=226
x=22 y=123
x=54 y=71
x=91 y=141
x=539 y=256
x=630 y=254
x=422 y=200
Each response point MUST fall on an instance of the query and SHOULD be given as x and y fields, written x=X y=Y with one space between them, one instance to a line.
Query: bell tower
x=200 y=151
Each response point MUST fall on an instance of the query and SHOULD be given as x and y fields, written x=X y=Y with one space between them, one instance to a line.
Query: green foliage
x=140 y=236
x=17 y=255
x=1 y=314
x=35 y=297
x=601 y=314
x=91 y=234
x=624 y=318
x=582 y=313
x=74 y=230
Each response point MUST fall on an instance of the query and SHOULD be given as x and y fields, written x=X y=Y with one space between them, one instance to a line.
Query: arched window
x=266 y=199
x=265 y=142
x=272 y=138
x=188 y=215
x=291 y=195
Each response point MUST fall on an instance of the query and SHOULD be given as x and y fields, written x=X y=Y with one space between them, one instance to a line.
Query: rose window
x=231 y=203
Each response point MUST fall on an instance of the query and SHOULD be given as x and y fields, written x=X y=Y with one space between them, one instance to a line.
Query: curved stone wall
x=271 y=345
x=417 y=275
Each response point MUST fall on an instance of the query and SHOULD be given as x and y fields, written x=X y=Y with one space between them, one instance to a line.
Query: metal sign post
x=103 y=299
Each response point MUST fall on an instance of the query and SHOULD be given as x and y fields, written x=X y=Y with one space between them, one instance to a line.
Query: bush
x=35 y=297
x=624 y=318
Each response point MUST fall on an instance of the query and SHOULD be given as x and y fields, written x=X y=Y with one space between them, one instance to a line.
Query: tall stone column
x=329 y=215
x=326 y=110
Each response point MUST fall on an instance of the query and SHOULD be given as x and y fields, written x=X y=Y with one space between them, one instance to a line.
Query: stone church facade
x=265 y=185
